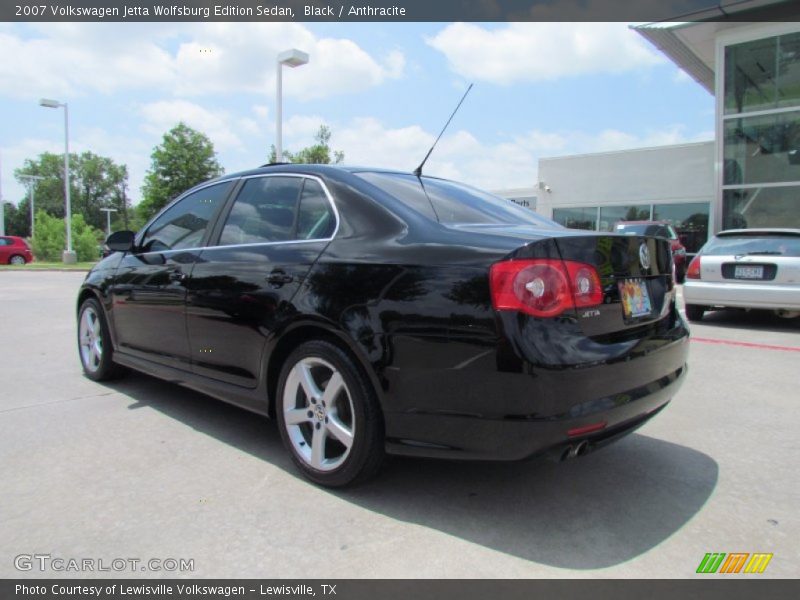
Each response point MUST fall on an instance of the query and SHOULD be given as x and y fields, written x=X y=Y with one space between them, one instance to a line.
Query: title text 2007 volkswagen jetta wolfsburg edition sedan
x=375 y=312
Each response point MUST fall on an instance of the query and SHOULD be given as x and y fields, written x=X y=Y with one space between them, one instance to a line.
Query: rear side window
x=751 y=245
x=5 y=242
x=184 y=224
x=315 y=219
x=453 y=203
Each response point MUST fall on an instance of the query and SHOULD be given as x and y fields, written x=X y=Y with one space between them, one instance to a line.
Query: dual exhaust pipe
x=578 y=449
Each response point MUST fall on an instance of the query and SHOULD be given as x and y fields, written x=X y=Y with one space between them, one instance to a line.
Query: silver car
x=746 y=268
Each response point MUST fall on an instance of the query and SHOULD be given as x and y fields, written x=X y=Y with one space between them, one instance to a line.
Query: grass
x=49 y=266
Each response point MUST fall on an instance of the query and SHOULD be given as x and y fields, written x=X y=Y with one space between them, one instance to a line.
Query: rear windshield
x=654 y=229
x=749 y=245
x=453 y=203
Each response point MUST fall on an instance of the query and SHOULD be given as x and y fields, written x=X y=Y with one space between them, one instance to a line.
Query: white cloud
x=460 y=155
x=534 y=52
x=219 y=125
x=190 y=59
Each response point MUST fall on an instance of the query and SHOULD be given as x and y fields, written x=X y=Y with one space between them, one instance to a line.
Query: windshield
x=746 y=245
x=654 y=229
x=450 y=203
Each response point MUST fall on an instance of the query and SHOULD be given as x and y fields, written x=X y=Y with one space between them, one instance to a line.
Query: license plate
x=742 y=272
x=635 y=298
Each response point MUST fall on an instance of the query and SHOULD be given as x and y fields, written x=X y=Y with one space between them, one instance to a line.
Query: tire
x=694 y=312
x=95 y=350
x=317 y=422
x=16 y=260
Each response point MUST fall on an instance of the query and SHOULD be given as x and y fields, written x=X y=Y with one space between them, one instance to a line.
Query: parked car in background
x=659 y=229
x=746 y=268
x=374 y=312
x=14 y=250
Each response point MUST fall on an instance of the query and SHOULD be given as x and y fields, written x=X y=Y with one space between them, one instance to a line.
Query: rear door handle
x=177 y=276
x=279 y=277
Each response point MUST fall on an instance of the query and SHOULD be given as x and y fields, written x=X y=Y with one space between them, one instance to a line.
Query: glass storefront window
x=762 y=149
x=762 y=74
x=609 y=215
x=576 y=218
x=690 y=220
x=761 y=207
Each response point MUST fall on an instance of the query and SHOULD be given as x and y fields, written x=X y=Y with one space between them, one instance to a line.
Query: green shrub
x=50 y=239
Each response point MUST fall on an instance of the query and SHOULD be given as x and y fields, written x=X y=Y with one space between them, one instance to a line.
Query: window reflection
x=762 y=149
x=762 y=74
x=761 y=207
x=576 y=218
x=610 y=215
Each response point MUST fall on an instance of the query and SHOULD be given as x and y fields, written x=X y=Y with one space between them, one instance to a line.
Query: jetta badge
x=644 y=256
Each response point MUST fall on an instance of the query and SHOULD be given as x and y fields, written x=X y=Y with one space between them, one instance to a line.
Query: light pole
x=32 y=179
x=108 y=212
x=68 y=256
x=291 y=58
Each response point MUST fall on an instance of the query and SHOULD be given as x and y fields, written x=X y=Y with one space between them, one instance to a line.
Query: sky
x=384 y=89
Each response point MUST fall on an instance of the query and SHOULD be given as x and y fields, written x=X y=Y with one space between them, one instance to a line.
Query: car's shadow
x=754 y=320
x=597 y=511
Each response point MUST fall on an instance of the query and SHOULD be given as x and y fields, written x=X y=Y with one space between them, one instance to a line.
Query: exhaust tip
x=569 y=452
x=582 y=448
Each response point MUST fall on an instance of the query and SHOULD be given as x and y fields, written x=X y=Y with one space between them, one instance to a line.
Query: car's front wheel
x=694 y=312
x=94 y=343
x=328 y=416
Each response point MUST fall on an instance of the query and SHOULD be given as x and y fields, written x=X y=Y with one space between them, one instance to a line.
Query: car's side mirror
x=121 y=241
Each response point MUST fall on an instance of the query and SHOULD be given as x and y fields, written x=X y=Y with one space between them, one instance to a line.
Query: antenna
x=418 y=170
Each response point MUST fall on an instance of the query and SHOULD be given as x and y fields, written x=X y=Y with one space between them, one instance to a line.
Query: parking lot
x=144 y=469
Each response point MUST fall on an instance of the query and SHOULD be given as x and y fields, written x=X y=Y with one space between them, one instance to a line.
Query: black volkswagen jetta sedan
x=374 y=312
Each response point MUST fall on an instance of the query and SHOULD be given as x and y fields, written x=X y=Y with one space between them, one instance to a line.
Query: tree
x=50 y=239
x=17 y=219
x=318 y=154
x=95 y=182
x=184 y=158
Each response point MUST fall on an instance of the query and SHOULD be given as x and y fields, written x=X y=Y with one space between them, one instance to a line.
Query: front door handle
x=279 y=277
x=177 y=276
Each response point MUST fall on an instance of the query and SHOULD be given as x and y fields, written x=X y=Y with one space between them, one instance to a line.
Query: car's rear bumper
x=489 y=408
x=475 y=438
x=742 y=294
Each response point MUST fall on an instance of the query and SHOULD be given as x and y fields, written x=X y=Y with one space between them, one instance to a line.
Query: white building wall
x=665 y=174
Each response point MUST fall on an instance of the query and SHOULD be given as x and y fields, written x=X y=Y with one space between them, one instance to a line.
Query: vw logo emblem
x=644 y=256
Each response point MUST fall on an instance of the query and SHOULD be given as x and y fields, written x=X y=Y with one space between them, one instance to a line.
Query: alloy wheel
x=90 y=335
x=318 y=412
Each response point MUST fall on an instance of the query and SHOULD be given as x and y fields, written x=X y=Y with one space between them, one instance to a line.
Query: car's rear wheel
x=94 y=343
x=16 y=260
x=328 y=416
x=694 y=312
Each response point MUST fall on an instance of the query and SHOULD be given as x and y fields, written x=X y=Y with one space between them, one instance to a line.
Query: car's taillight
x=544 y=287
x=693 y=272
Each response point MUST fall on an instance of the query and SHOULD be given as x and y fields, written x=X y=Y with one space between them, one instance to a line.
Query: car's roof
x=758 y=231
x=309 y=168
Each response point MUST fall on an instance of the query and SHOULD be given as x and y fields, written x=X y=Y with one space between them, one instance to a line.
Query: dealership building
x=748 y=176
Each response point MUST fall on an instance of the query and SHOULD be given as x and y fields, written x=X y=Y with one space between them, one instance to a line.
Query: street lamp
x=291 y=58
x=32 y=179
x=68 y=256
x=108 y=212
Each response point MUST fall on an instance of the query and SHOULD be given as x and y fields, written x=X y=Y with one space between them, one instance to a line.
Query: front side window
x=184 y=224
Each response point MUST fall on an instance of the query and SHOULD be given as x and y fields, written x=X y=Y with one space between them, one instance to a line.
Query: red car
x=14 y=251
x=659 y=229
